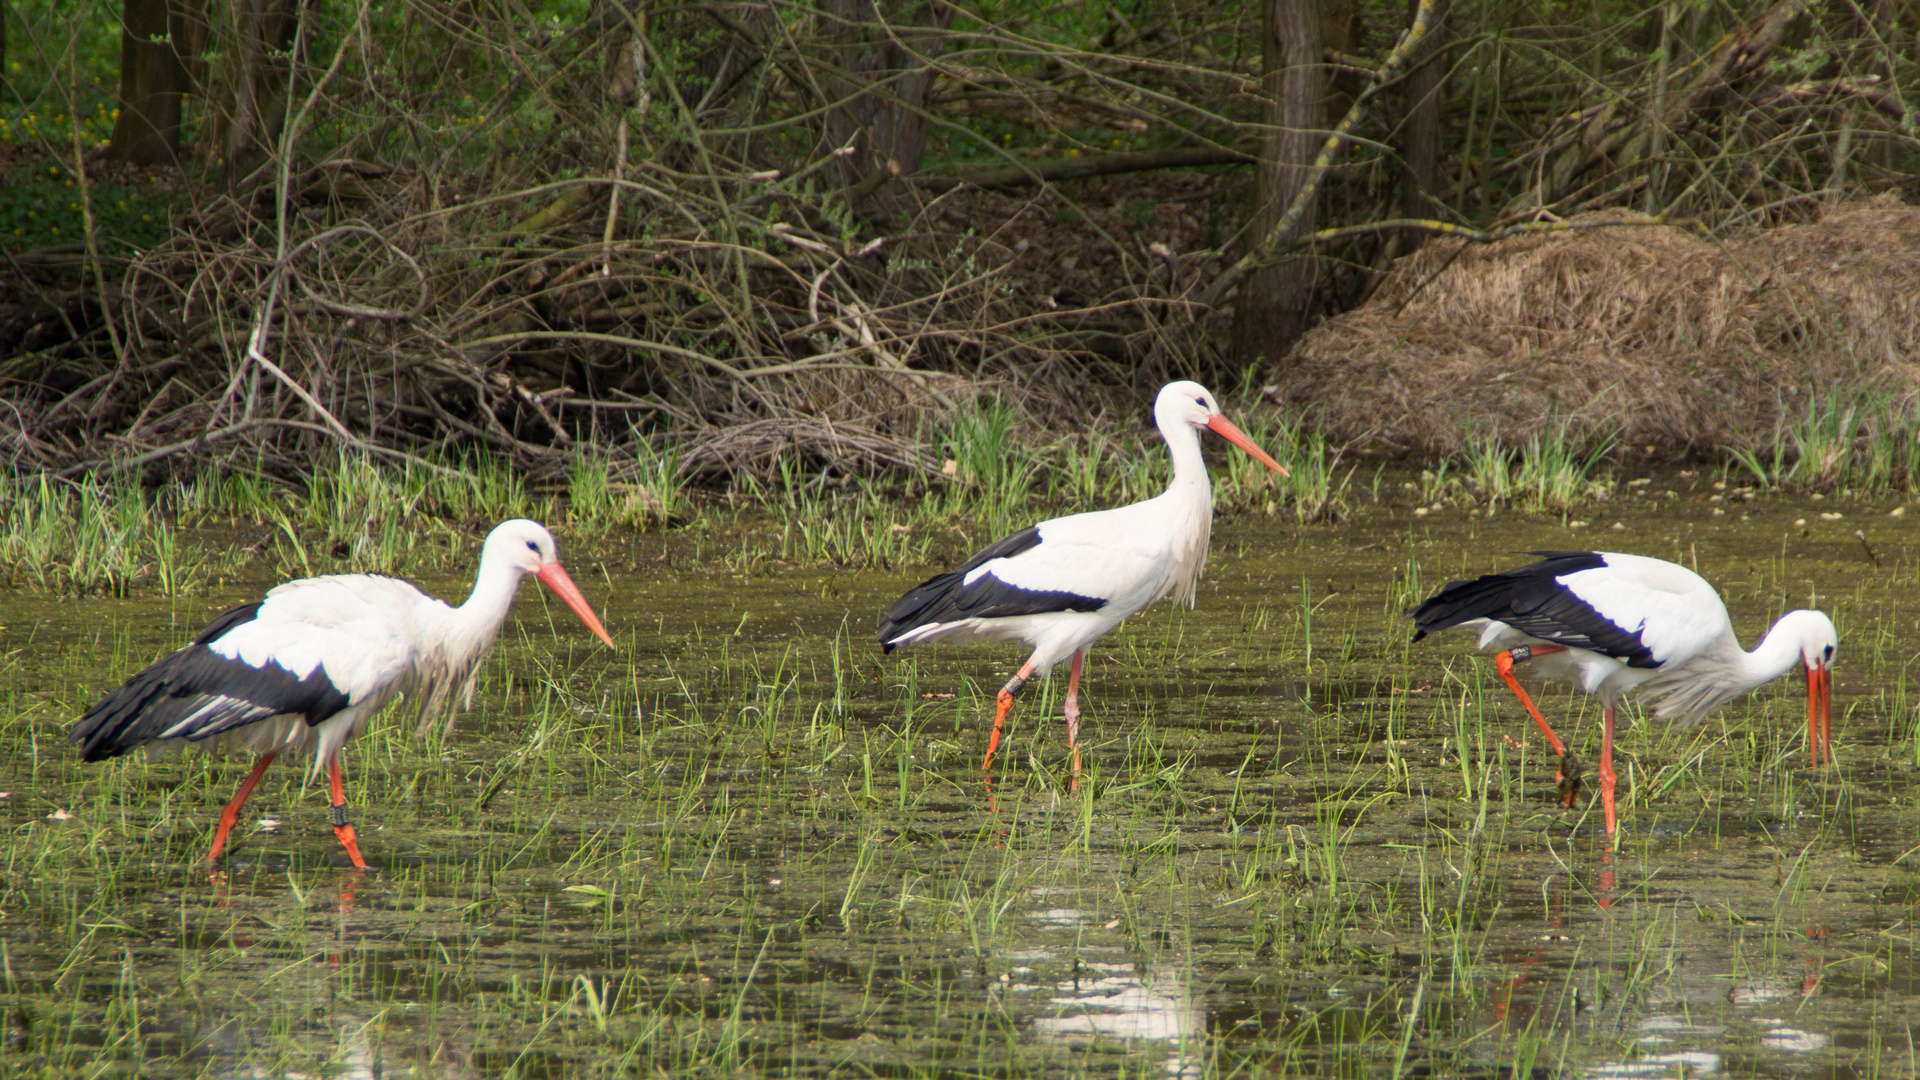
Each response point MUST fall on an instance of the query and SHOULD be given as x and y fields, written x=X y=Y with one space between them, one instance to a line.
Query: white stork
x=309 y=666
x=1059 y=585
x=1617 y=623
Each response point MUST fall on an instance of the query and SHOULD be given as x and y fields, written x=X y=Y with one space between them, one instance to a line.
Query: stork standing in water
x=309 y=666
x=1059 y=585
x=1617 y=623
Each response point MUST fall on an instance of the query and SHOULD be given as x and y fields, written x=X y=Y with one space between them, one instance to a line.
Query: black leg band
x=1521 y=653
x=338 y=813
x=1013 y=686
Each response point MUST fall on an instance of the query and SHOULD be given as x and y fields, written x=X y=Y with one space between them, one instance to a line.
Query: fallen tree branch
x=1865 y=87
x=1478 y=236
x=1091 y=165
x=1739 y=53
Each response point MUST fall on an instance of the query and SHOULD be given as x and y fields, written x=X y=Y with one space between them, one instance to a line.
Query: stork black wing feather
x=948 y=598
x=1531 y=600
x=232 y=694
x=227 y=620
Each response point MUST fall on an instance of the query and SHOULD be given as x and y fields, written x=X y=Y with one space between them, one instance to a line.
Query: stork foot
x=352 y=843
x=999 y=724
x=1567 y=780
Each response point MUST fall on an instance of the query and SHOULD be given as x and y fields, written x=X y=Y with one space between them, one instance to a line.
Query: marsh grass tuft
x=1860 y=443
x=1549 y=473
x=859 y=524
x=477 y=489
x=1314 y=489
x=226 y=496
x=354 y=512
x=368 y=515
x=608 y=493
x=993 y=482
x=87 y=536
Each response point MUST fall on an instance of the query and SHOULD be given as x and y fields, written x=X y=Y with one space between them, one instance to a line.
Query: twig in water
x=1861 y=536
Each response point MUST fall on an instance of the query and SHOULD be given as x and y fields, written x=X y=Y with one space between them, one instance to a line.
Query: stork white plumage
x=1060 y=585
x=308 y=667
x=1618 y=623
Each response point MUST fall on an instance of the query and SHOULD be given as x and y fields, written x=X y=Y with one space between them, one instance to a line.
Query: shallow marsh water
x=750 y=843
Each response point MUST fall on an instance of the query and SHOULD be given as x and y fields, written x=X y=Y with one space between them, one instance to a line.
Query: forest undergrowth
x=801 y=236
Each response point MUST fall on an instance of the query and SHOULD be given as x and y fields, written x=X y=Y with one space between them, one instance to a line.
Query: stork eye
x=533 y=547
x=1202 y=402
x=1829 y=652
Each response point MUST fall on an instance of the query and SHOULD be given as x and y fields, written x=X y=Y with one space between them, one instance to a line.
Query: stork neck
x=1189 y=467
x=494 y=587
x=1778 y=653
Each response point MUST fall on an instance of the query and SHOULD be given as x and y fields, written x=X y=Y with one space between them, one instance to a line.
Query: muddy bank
x=1653 y=336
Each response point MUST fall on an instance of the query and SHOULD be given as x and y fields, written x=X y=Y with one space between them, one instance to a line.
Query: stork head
x=1819 y=641
x=528 y=549
x=1190 y=404
x=525 y=545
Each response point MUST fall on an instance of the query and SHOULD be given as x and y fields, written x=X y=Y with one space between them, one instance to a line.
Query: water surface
x=751 y=843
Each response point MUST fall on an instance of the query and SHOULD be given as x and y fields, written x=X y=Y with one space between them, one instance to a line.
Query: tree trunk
x=1272 y=309
x=887 y=48
x=1426 y=93
x=156 y=38
x=263 y=63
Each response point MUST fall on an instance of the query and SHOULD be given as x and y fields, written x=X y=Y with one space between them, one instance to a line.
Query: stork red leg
x=1072 y=710
x=1568 y=778
x=1006 y=702
x=1606 y=769
x=339 y=814
x=232 y=813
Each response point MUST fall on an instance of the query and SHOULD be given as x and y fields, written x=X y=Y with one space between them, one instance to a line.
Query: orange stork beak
x=1224 y=428
x=555 y=578
x=1819 y=714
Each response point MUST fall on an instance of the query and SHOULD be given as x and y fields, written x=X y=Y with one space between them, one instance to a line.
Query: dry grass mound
x=1654 y=336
